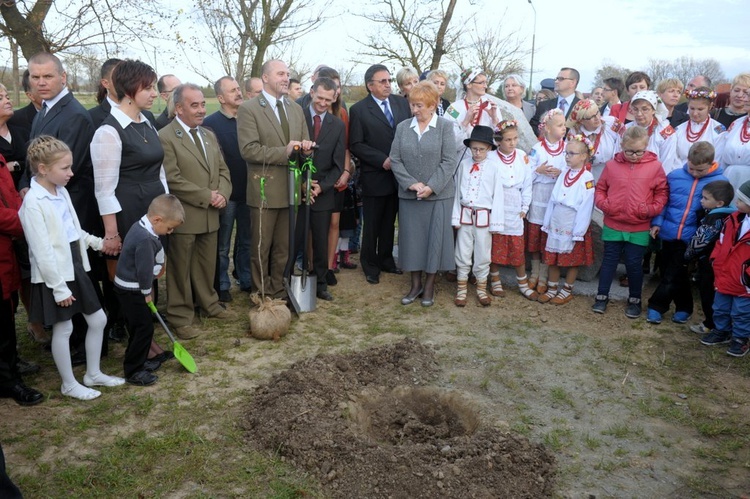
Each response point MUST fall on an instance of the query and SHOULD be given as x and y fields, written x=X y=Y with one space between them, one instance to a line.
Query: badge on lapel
x=178 y=132
x=262 y=101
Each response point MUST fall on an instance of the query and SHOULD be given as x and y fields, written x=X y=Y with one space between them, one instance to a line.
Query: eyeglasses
x=479 y=149
x=631 y=152
x=641 y=110
x=571 y=153
x=605 y=89
x=597 y=115
x=561 y=78
x=384 y=81
x=483 y=82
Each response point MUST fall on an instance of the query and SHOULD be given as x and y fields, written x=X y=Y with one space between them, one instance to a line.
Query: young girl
x=507 y=246
x=631 y=191
x=477 y=213
x=567 y=220
x=547 y=161
x=700 y=127
x=57 y=249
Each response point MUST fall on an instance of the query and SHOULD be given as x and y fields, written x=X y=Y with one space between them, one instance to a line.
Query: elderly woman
x=670 y=92
x=406 y=78
x=739 y=99
x=651 y=113
x=423 y=160
x=636 y=82
x=543 y=95
x=439 y=78
x=603 y=133
x=514 y=88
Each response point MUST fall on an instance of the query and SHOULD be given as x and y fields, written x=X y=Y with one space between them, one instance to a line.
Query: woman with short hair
x=669 y=91
x=514 y=88
x=406 y=78
x=739 y=99
x=440 y=79
x=637 y=81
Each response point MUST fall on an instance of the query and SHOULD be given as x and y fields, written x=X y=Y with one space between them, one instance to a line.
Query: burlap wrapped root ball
x=270 y=319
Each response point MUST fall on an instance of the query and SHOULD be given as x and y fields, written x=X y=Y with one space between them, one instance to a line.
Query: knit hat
x=743 y=193
x=650 y=96
x=481 y=133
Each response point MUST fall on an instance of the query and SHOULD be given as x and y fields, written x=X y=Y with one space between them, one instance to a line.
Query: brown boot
x=461 y=291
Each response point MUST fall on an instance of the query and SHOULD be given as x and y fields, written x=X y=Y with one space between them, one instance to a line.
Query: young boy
x=477 y=213
x=676 y=225
x=140 y=262
x=731 y=261
x=716 y=201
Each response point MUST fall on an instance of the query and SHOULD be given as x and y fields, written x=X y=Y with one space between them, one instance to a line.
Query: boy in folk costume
x=477 y=213
x=567 y=221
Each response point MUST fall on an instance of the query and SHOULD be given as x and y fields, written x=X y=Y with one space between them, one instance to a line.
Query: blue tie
x=387 y=111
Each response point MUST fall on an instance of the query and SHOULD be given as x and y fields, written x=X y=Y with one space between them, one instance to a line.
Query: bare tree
x=610 y=70
x=242 y=31
x=495 y=52
x=685 y=68
x=416 y=33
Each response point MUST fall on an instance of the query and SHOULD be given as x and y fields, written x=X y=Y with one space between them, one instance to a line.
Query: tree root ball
x=270 y=319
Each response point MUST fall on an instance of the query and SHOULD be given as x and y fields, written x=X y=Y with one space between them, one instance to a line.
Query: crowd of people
x=97 y=204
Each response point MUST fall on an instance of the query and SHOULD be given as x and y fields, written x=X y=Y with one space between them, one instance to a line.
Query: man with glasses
x=565 y=87
x=166 y=85
x=612 y=88
x=372 y=126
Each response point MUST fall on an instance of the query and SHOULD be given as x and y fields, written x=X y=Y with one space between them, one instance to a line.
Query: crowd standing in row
x=471 y=192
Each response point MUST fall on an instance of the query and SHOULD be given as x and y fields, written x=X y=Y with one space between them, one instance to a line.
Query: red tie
x=316 y=126
x=474 y=168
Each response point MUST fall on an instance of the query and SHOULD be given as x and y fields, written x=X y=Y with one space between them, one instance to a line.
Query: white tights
x=61 y=353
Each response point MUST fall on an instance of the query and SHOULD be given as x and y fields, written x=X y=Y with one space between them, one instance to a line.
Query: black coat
x=101 y=111
x=545 y=106
x=370 y=138
x=329 y=158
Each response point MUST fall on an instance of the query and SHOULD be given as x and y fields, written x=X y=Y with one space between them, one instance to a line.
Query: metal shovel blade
x=304 y=289
x=182 y=355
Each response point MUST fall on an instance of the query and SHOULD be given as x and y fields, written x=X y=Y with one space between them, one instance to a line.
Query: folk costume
x=735 y=157
x=691 y=132
x=508 y=245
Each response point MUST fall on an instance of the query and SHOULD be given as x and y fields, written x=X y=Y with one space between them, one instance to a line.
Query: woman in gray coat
x=423 y=160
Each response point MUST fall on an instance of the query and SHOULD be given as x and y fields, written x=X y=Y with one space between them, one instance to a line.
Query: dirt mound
x=367 y=426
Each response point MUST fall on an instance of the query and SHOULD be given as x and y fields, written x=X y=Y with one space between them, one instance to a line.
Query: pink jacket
x=631 y=194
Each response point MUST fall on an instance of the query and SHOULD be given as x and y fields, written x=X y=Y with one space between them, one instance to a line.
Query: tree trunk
x=27 y=31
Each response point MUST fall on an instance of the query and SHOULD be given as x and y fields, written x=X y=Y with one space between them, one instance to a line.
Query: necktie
x=282 y=119
x=562 y=105
x=316 y=126
x=387 y=112
x=474 y=168
x=44 y=110
x=198 y=143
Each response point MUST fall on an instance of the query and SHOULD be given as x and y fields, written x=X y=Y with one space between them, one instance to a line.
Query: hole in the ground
x=410 y=415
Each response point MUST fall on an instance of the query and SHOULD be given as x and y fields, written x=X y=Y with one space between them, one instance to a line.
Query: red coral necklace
x=568 y=180
x=557 y=150
x=510 y=159
x=693 y=136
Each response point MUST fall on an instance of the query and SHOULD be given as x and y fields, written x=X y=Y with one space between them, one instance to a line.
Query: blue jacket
x=679 y=218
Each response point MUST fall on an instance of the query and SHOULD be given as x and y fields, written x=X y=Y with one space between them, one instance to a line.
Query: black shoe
x=373 y=279
x=117 y=332
x=600 y=304
x=78 y=359
x=633 y=309
x=142 y=378
x=323 y=294
x=25 y=368
x=393 y=270
x=331 y=278
x=151 y=365
x=163 y=357
x=225 y=296
x=22 y=394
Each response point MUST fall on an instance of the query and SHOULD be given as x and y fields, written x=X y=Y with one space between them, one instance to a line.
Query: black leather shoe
x=393 y=270
x=373 y=279
x=331 y=278
x=142 y=378
x=25 y=368
x=323 y=294
x=117 y=332
x=163 y=357
x=22 y=394
x=151 y=365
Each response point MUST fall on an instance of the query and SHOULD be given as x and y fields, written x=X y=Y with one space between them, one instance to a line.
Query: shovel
x=304 y=287
x=292 y=181
x=179 y=351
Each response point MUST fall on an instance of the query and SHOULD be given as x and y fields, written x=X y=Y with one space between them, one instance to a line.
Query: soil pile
x=368 y=426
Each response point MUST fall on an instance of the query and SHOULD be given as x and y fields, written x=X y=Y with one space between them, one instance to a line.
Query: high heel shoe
x=409 y=299
x=38 y=334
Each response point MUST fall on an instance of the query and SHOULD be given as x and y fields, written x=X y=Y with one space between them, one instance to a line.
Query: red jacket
x=631 y=194
x=10 y=227
x=731 y=259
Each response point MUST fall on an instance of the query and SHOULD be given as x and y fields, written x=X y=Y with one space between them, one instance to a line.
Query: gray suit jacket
x=263 y=146
x=192 y=178
x=430 y=160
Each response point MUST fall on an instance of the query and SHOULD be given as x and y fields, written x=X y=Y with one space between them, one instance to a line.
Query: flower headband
x=469 y=75
x=504 y=125
x=548 y=116
x=700 y=94
x=582 y=138
x=579 y=111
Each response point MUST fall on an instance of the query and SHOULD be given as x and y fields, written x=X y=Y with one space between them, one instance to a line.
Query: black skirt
x=44 y=308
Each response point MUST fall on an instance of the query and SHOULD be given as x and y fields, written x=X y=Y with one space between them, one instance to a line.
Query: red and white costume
x=690 y=132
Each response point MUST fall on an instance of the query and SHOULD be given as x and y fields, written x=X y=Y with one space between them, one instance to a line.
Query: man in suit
x=24 y=117
x=329 y=134
x=613 y=88
x=269 y=126
x=107 y=96
x=224 y=124
x=197 y=175
x=565 y=86
x=166 y=85
x=372 y=126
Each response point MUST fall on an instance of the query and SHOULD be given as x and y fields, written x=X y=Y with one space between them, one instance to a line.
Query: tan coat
x=262 y=143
